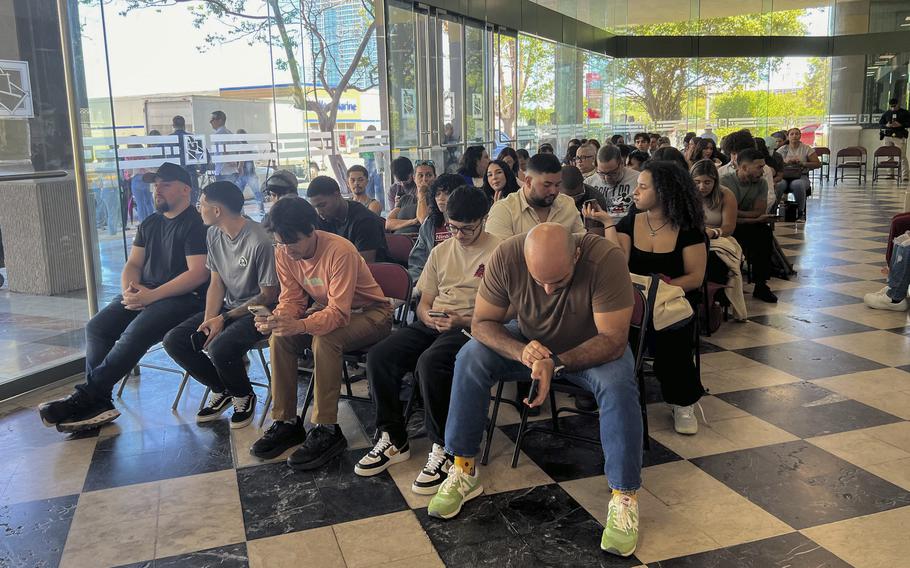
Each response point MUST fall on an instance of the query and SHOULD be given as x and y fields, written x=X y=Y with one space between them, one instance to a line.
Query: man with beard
x=358 y=178
x=539 y=201
x=164 y=281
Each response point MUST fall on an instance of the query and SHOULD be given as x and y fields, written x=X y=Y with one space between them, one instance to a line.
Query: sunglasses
x=430 y=163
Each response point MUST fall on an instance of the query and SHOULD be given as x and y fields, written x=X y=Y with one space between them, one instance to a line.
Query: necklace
x=652 y=229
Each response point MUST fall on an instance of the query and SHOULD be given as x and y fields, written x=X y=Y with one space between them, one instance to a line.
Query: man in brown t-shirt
x=574 y=302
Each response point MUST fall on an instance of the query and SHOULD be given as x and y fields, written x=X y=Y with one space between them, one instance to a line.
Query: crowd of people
x=522 y=266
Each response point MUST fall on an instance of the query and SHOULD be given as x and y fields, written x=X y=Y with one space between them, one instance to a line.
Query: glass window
x=402 y=77
x=504 y=95
x=536 y=90
x=477 y=55
x=452 y=79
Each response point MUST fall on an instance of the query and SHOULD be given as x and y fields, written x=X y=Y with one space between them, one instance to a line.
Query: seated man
x=358 y=178
x=614 y=180
x=411 y=208
x=279 y=184
x=163 y=282
x=538 y=201
x=348 y=219
x=242 y=264
x=330 y=304
x=752 y=232
x=581 y=193
x=574 y=300
x=428 y=346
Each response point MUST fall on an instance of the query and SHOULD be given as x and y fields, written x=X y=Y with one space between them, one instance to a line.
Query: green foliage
x=661 y=86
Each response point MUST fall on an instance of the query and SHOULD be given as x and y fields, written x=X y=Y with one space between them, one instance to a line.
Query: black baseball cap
x=168 y=171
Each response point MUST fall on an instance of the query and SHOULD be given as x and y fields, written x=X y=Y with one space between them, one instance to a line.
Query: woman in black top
x=664 y=234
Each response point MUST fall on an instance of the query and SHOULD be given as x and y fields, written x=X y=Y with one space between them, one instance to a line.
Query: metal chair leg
x=268 y=376
x=492 y=424
x=522 y=427
x=186 y=377
x=205 y=397
x=122 y=385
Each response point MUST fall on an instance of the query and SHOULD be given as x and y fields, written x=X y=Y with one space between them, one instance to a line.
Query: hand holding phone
x=437 y=314
x=197 y=340
x=259 y=311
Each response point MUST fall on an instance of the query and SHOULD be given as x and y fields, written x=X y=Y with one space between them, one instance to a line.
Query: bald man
x=574 y=302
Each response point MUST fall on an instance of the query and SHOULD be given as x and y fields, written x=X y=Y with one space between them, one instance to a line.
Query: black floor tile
x=815 y=276
x=565 y=460
x=710 y=347
x=904 y=330
x=806 y=409
x=159 y=453
x=803 y=485
x=809 y=360
x=232 y=556
x=814 y=298
x=542 y=526
x=21 y=429
x=791 y=550
x=34 y=533
x=278 y=500
x=810 y=324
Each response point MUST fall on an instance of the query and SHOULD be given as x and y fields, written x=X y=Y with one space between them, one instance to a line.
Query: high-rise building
x=342 y=23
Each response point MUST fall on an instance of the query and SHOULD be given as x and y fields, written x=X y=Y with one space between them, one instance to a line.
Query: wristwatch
x=558 y=365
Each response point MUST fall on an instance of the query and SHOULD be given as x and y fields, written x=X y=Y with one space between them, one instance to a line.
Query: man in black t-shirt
x=348 y=219
x=163 y=283
x=895 y=123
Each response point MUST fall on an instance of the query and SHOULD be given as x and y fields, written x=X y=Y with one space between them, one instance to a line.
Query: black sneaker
x=77 y=412
x=323 y=443
x=585 y=402
x=218 y=403
x=434 y=472
x=763 y=293
x=244 y=409
x=383 y=454
x=280 y=437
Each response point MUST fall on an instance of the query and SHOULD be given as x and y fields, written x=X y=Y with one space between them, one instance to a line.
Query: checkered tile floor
x=804 y=461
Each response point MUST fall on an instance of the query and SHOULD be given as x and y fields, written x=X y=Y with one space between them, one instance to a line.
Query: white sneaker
x=881 y=301
x=383 y=454
x=684 y=420
x=433 y=473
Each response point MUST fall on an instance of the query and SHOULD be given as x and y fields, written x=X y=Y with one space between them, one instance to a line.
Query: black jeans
x=116 y=339
x=755 y=238
x=223 y=368
x=431 y=355
x=674 y=364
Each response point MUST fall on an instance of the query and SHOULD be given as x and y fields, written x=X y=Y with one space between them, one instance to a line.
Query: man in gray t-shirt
x=613 y=180
x=210 y=345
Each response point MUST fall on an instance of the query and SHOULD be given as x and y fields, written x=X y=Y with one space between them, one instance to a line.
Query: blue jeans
x=478 y=368
x=899 y=273
x=253 y=182
x=111 y=199
x=142 y=195
x=116 y=338
x=798 y=187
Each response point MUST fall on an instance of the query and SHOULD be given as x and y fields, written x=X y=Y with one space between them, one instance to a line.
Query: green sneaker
x=455 y=491
x=621 y=533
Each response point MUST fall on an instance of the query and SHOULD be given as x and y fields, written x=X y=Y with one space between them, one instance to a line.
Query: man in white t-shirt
x=427 y=347
x=224 y=171
x=613 y=180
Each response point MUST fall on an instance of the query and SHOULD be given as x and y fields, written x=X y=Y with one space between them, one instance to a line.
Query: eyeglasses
x=579 y=157
x=430 y=163
x=280 y=245
x=466 y=231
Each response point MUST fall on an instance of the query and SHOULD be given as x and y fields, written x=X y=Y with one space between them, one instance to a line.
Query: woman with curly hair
x=665 y=234
x=499 y=182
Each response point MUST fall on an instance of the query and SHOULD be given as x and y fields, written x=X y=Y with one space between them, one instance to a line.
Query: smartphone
x=532 y=392
x=587 y=201
x=435 y=314
x=260 y=311
x=197 y=340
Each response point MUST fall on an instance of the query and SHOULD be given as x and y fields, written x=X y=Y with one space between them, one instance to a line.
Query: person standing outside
x=224 y=171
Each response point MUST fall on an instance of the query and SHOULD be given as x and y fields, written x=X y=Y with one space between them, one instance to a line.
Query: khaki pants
x=364 y=329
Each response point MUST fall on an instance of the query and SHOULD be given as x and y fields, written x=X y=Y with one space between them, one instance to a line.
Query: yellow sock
x=466 y=464
x=633 y=494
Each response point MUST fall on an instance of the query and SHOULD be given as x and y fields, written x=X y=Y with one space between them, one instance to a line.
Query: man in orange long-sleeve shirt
x=329 y=303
